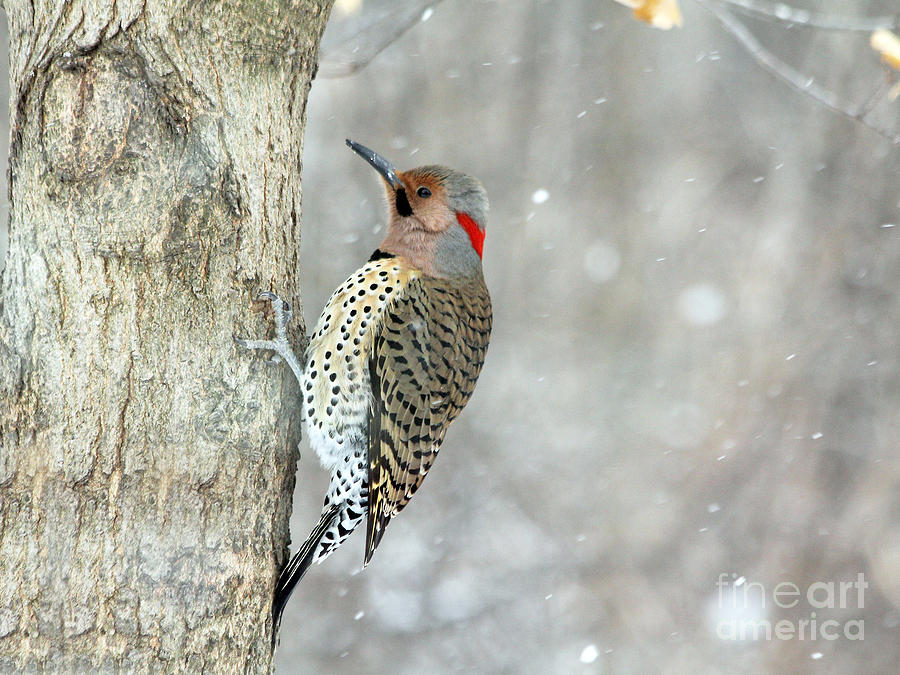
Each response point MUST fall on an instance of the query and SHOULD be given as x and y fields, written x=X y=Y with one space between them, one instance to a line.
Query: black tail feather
x=295 y=569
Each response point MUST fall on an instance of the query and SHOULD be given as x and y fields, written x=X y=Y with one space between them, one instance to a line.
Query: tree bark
x=146 y=463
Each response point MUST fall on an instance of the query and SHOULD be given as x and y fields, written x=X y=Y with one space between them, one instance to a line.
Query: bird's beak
x=379 y=163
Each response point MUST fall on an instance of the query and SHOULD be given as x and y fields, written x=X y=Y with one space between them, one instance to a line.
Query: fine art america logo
x=823 y=610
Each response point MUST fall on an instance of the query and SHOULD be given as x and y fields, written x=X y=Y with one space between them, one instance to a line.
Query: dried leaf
x=888 y=45
x=894 y=92
x=347 y=7
x=658 y=13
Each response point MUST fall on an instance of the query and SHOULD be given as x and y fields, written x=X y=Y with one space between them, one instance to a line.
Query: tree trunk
x=146 y=463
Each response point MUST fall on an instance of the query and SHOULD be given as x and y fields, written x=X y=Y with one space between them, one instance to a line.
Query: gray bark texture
x=146 y=463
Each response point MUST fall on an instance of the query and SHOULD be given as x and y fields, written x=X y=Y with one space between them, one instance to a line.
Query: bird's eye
x=423 y=192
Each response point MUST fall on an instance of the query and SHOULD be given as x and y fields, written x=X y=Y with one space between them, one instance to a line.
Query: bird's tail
x=292 y=574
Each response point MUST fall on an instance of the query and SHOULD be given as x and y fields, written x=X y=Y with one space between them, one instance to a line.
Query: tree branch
x=378 y=34
x=777 y=11
x=793 y=78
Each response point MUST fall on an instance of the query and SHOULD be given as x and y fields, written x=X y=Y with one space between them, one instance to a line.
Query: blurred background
x=693 y=386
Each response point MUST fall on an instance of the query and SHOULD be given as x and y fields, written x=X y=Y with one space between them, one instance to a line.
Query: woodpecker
x=393 y=359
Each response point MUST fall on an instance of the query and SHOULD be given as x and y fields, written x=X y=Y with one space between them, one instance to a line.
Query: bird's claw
x=279 y=345
x=277 y=303
x=280 y=308
x=270 y=345
x=275 y=300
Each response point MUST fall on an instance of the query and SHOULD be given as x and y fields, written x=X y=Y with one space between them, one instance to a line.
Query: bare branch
x=877 y=96
x=777 y=11
x=793 y=78
x=379 y=33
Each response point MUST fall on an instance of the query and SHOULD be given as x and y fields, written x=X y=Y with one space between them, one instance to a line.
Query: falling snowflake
x=589 y=654
x=539 y=196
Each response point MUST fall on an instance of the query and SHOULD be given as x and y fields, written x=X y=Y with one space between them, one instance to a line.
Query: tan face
x=428 y=199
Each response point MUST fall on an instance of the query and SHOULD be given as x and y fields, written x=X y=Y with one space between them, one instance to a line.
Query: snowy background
x=694 y=369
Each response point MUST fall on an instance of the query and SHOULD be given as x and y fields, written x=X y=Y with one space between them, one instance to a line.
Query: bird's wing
x=423 y=367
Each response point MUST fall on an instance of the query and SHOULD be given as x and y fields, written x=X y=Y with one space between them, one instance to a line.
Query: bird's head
x=438 y=216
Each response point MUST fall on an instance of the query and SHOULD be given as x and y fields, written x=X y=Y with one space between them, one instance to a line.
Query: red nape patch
x=476 y=234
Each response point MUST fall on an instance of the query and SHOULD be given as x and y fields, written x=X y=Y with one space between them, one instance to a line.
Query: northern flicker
x=393 y=358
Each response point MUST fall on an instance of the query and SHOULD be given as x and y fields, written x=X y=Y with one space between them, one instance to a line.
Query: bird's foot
x=282 y=311
x=279 y=345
